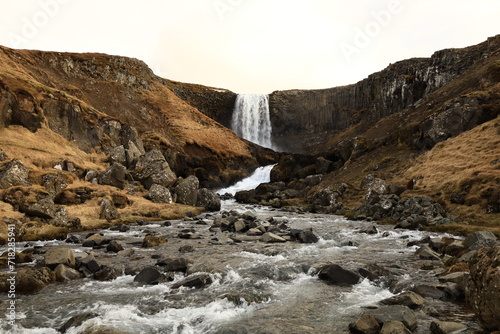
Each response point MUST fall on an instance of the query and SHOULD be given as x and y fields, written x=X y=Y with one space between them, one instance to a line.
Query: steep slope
x=93 y=99
x=310 y=119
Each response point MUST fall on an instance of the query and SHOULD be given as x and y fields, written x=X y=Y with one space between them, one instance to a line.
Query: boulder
x=446 y=327
x=335 y=274
x=56 y=256
x=365 y=325
x=152 y=241
x=116 y=175
x=245 y=196
x=90 y=263
x=269 y=237
x=197 y=280
x=159 y=194
x=107 y=273
x=179 y=264
x=373 y=184
x=114 y=246
x=305 y=236
x=28 y=280
x=187 y=190
x=410 y=299
x=77 y=320
x=208 y=199
x=152 y=168
x=323 y=165
x=14 y=174
x=148 y=276
x=118 y=155
x=426 y=253
x=108 y=210
x=394 y=327
x=480 y=239
x=328 y=198
x=65 y=273
x=95 y=240
x=399 y=313
x=482 y=290
x=54 y=183
x=44 y=208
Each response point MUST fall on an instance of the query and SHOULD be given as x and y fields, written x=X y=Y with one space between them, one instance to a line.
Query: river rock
x=459 y=278
x=14 y=174
x=480 y=239
x=410 y=299
x=335 y=274
x=394 y=327
x=116 y=175
x=152 y=241
x=426 y=253
x=57 y=256
x=152 y=168
x=65 y=273
x=114 y=246
x=446 y=327
x=90 y=263
x=208 y=199
x=366 y=324
x=108 y=210
x=77 y=320
x=187 y=190
x=454 y=248
x=179 y=264
x=148 y=276
x=126 y=252
x=95 y=240
x=269 y=237
x=395 y=313
x=197 y=280
x=107 y=273
x=159 y=194
x=28 y=280
x=482 y=290
x=305 y=236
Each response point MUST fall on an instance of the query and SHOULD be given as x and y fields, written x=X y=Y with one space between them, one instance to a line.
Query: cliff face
x=100 y=102
x=306 y=119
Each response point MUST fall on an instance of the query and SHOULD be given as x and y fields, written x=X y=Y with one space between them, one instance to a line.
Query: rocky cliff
x=306 y=119
x=100 y=102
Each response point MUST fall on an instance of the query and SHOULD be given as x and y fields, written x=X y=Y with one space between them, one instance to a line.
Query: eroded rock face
x=482 y=290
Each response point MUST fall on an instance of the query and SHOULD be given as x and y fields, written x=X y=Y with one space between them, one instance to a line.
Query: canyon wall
x=304 y=119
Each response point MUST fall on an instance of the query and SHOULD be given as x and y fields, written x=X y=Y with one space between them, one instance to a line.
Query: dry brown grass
x=462 y=161
x=45 y=148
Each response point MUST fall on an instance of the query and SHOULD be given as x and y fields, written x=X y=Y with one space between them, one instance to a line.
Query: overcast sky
x=252 y=46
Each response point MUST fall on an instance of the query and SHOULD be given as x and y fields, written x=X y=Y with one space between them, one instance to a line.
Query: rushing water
x=251 y=120
x=256 y=288
x=260 y=175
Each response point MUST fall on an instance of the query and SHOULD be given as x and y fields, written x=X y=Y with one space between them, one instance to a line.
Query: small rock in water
x=114 y=246
x=197 y=280
x=394 y=327
x=152 y=241
x=148 y=276
x=271 y=238
x=77 y=320
x=335 y=274
x=410 y=299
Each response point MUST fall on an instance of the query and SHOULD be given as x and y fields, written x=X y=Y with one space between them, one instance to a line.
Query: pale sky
x=252 y=46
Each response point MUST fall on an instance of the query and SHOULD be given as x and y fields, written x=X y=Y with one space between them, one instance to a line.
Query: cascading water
x=251 y=120
x=260 y=175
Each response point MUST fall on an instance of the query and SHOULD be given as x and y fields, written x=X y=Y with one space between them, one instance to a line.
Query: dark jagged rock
x=152 y=168
x=77 y=320
x=148 y=276
x=481 y=239
x=335 y=274
x=115 y=175
x=197 y=280
x=399 y=313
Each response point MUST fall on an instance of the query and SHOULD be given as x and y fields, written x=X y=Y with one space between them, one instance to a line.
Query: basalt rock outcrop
x=305 y=119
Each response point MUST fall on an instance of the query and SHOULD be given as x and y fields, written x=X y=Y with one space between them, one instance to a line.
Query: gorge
x=392 y=183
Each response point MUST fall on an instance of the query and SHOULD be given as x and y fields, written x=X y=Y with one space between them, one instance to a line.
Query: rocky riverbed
x=247 y=269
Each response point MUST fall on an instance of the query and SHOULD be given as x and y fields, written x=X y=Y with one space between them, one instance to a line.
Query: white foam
x=362 y=294
x=260 y=175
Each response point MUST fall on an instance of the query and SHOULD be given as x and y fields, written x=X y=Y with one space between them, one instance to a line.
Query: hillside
x=84 y=121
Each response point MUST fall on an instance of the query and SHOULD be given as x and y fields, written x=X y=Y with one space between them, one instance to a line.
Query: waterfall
x=260 y=175
x=251 y=119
